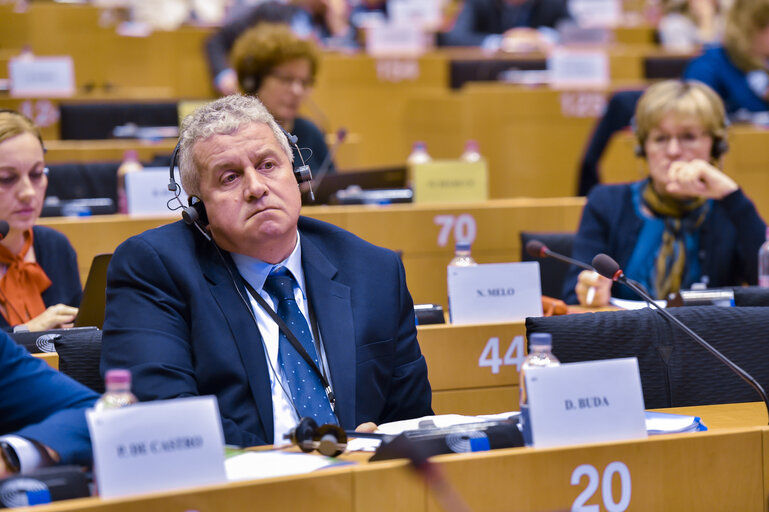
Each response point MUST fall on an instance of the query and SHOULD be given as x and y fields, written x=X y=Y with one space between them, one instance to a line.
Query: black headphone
x=195 y=213
x=329 y=439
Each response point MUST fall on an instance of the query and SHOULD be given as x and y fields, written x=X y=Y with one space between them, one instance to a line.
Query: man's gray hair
x=221 y=117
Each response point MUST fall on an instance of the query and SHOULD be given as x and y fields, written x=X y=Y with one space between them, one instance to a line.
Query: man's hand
x=55 y=317
x=3 y=470
x=367 y=427
x=698 y=178
x=588 y=279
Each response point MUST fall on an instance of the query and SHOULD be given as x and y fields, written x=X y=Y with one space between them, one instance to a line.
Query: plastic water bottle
x=540 y=355
x=419 y=154
x=118 y=390
x=462 y=256
x=763 y=263
x=130 y=164
x=471 y=152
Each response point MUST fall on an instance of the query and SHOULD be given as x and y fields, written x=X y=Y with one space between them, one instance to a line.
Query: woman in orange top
x=39 y=278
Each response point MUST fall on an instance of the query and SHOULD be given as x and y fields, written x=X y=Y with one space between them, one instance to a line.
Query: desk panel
x=424 y=233
x=704 y=471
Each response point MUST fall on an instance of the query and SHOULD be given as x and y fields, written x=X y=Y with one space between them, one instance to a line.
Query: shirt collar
x=255 y=271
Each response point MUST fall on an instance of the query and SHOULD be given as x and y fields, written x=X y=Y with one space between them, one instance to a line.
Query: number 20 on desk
x=607 y=487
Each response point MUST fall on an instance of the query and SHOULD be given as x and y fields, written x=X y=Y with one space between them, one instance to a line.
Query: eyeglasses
x=686 y=140
x=288 y=81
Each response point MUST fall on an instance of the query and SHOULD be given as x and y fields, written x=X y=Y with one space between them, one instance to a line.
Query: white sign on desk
x=578 y=68
x=494 y=292
x=36 y=77
x=147 y=191
x=586 y=402
x=157 y=446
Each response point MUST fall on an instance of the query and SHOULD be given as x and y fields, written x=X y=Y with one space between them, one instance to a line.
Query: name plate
x=596 y=13
x=157 y=446
x=449 y=181
x=494 y=292
x=147 y=191
x=589 y=402
x=578 y=68
x=396 y=39
x=37 y=77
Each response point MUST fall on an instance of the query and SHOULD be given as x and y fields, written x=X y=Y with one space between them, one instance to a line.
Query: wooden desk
x=52 y=358
x=455 y=355
x=722 y=469
x=425 y=234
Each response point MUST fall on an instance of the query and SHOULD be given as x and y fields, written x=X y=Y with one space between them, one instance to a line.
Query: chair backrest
x=88 y=121
x=675 y=370
x=552 y=272
x=80 y=356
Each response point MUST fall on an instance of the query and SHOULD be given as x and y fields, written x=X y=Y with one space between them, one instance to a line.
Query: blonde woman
x=687 y=222
x=737 y=69
x=39 y=277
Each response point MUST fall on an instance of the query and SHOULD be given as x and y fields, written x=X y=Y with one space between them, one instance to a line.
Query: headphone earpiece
x=195 y=213
x=719 y=149
x=330 y=440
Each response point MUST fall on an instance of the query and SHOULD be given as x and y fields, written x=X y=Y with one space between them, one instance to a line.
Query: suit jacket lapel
x=331 y=302
x=243 y=330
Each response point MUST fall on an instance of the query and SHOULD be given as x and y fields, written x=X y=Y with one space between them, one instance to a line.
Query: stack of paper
x=666 y=423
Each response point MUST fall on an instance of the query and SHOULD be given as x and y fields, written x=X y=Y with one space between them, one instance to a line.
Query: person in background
x=39 y=276
x=509 y=25
x=42 y=413
x=686 y=223
x=323 y=20
x=279 y=68
x=737 y=69
x=688 y=24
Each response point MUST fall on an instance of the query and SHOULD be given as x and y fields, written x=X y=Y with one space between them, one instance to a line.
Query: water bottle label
x=763 y=281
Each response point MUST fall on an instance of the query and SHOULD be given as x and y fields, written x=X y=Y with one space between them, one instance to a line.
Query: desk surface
x=717 y=470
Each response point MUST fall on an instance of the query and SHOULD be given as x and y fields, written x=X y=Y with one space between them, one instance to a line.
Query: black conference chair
x=675 y=370
x=80 y=357
x=552 y=272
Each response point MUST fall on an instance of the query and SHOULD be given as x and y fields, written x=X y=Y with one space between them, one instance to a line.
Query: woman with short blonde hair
x=687 y=223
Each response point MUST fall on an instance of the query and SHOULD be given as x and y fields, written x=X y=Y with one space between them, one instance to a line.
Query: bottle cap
x=117 y=376
x=462 y=246
x=131 y=155
x=541 y=339
x=471 y=145
x=419 y=145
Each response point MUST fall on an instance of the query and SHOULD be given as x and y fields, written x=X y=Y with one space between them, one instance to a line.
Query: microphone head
x=4 y=229
x=606 y=266
x=536 y=249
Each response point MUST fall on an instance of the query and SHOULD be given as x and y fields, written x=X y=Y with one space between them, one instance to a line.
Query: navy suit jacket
x=178 y=321
x=40 y=403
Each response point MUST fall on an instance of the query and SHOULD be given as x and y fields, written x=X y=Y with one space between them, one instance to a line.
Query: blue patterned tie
x=306 y=388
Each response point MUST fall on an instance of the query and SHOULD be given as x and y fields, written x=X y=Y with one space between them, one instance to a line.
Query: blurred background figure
x=326 y=21
x=275 y=65
x=688 y=24
x=509 y=25
x=737 y=69
x=39 y=277
x=686 y=223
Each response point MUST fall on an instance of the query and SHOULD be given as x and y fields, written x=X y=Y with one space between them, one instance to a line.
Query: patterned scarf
x=22 y=285
x=680 y=216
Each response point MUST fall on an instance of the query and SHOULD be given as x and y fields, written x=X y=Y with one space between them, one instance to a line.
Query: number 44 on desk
x=514 y=355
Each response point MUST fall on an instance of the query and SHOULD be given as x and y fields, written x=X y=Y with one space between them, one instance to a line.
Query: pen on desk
x=590 y=297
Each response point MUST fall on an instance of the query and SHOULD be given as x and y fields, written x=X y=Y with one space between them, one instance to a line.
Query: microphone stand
x=620 y=276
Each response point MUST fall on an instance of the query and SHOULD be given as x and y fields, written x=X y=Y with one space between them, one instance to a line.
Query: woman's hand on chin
x=698 y=178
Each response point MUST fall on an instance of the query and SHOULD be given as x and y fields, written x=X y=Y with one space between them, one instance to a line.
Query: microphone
x=341 y=134
x=537 y=249
x=607 y=267
x=4 y=229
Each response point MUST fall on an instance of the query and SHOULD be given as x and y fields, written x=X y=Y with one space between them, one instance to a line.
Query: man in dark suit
x=187 y=307
x=42 y=418
x=507 y=24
